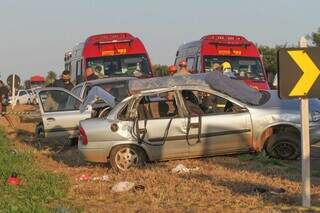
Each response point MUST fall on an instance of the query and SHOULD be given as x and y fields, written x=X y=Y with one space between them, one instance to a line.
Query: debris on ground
x=262 y=190
x=101 y=178
x=122 y=186
x=277 y=191
x=13 y=180
x=83 y=177
x=180 y=168
x=87 y=177
x=139 y=188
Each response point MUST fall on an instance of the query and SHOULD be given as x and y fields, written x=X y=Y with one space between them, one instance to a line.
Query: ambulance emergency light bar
x=226 y=40
x=113 y=42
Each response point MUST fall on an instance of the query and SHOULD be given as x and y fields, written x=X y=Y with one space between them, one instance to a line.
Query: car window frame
x=57 y=89
x=179 y=115
x=212 y=92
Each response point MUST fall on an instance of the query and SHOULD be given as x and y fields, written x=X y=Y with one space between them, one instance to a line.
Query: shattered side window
x=203 y=103
x=157 y=106
x=56 y=101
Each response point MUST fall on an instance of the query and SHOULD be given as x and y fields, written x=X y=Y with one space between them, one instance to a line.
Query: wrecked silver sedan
x=194 y=116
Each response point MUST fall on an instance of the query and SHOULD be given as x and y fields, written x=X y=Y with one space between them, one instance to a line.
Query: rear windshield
x=124 y=65
x=242 y=68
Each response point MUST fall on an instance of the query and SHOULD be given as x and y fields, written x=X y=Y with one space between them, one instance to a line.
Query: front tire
x=284 y=146
x=125 y=157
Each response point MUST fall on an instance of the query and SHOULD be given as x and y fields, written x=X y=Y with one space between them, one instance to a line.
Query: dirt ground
x=241 y=183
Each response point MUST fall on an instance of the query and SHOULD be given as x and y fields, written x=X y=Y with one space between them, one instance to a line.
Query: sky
x=35 y=34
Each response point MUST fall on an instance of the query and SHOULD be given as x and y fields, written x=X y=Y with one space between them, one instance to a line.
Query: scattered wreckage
x=177 y=117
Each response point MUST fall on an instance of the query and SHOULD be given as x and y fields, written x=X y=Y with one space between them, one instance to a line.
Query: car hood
x=97 y=94
x=289 y=105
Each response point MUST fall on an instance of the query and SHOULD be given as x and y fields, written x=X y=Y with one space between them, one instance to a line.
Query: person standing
x=90 y=74
x=182 y=69
x=64 y=81
x=4 y=97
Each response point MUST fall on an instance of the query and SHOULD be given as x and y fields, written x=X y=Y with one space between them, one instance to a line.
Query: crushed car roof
x=236 y=89
x=108 y=80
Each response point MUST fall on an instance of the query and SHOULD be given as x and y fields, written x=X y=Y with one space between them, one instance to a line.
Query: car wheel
x=124 y=157
x=285 y=146
x=29 y=101
x=39 y=131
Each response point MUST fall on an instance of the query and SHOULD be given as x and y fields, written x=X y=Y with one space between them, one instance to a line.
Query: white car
x=22 y=97
x=33 y=96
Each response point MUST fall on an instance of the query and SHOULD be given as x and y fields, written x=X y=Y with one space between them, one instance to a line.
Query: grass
x=40 y=191
x=265 y=160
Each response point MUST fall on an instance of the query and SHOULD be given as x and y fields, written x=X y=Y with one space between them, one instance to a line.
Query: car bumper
x=94 y=152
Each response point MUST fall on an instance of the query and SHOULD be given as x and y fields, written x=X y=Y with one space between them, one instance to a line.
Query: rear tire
x=284 y=146
x=124 y=157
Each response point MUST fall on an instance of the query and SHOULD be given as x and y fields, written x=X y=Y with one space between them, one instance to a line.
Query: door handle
x=51 y=119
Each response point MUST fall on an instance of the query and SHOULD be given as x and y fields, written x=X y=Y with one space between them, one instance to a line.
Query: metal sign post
x=305 y=139
x=299 y=77
x=13 y=101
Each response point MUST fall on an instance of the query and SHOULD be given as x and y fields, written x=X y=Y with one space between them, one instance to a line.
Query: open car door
x=60 y=112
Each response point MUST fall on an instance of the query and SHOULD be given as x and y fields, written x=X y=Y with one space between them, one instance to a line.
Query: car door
x=60 y=112
x=23 y=97
x=161 y=125
x=224 y=126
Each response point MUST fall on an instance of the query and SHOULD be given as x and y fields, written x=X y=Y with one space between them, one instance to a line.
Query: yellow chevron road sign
x=299 y=71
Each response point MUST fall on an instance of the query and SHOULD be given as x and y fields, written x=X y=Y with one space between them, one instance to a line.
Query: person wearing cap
x=172 y=70
x=90 y=75
x=182 y=69
x=64 y=81
x=226 y=68
x=216 y=67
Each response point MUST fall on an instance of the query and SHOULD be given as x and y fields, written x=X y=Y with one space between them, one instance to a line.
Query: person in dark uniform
x=64 y=81
x=57 y=98
x=4 y=97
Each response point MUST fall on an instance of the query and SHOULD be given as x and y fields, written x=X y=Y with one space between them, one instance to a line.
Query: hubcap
x=126 y=158
x=284 y=149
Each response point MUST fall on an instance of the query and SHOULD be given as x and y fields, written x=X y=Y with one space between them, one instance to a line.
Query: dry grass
x=224 y=183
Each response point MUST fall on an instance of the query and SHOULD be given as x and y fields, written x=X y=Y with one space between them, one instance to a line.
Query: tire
x=39 y=131
x=124 y=157
x=284 y=146
x=29 y=101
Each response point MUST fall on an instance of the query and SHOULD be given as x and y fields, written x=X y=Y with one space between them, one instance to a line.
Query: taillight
x=83 y=136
